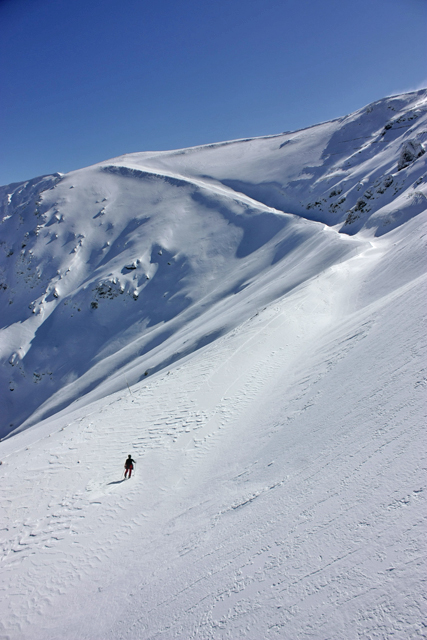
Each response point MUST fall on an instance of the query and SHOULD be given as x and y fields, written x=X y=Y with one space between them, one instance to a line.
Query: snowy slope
x=275 y=358
x=133 y=270
x=112 y=272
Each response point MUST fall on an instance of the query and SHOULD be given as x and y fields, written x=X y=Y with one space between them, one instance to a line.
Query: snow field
x=279 y=485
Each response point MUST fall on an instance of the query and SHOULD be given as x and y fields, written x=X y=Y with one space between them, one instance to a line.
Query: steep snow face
x=113 y=272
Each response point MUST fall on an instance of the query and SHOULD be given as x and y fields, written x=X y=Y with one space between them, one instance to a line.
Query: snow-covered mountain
x=115 y=271
x=248 y=320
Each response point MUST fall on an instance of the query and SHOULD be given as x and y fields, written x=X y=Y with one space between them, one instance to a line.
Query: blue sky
x=86 y=80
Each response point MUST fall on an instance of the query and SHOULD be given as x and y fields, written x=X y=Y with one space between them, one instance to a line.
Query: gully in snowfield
x=129 y=466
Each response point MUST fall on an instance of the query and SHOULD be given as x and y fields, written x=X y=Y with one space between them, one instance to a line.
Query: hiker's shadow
x=117 y=481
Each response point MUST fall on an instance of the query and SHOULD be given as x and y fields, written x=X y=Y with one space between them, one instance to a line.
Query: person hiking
x=129 y=466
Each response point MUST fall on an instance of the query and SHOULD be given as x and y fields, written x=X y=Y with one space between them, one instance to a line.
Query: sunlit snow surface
x=248 y=321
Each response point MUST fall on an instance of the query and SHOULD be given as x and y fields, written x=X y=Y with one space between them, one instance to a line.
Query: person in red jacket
x=129 y=466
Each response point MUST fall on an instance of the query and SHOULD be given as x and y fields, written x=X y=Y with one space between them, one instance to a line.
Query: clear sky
x=86 y=80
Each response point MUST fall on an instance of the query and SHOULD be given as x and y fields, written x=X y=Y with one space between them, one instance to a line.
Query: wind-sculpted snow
x=247 y=320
